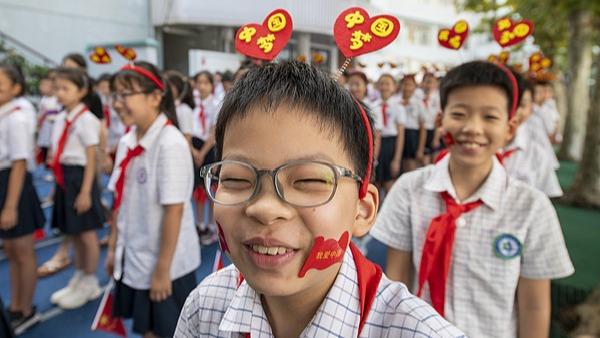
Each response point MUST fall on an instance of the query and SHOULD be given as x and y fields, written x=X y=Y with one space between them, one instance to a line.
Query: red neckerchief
x=384 y=107
x=506 y=154
x=426 y=102
x=131 y=154
x=437 y=250
x=62 y=141
x=106 y=112
x=14 y=109
x=368 y=275
x=202 y=116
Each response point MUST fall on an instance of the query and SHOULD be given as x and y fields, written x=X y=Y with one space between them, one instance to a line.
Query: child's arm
x=160 y=287
x=83 y=202
x=200 y=154
x=399 y=266
x=112 y=244
x=422 y=140
x=533 y=299
x=9 y=215
x=376 y=143
x=397 y=159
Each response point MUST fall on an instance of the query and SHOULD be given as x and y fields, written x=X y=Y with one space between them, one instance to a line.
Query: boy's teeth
x=272 y=251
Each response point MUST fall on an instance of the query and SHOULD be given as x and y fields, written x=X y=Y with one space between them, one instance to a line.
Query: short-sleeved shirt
x=395 y=114
x=535 y=127
x=549 y=114
x=161 y=175
x=415 y=112
x=185 y=117
x=219 y=308
x=48 y=109
x=84 y=132
x=486 y=265
x=211 y=110
x=530 y=164
x=432 y=107
x=17 y=130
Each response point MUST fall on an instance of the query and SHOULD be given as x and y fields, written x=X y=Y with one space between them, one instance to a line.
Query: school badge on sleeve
x=267 y=40
x=356 y=33
x=507 y=246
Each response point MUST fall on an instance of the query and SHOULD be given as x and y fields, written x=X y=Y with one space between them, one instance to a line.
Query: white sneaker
x=83 y=292
x=57 y=295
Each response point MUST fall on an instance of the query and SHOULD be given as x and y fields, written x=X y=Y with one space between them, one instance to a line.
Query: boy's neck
x=468 y=179
x=290 y=315
x=72 y=106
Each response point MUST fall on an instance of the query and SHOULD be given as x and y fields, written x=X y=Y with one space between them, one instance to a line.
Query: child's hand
x=8 y=218
x=107 y=164
x=160 y=287
x=395 y=168
x=420 y=156
x=83 y=203
x=109 y=265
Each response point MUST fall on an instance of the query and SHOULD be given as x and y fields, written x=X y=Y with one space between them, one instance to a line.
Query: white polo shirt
x=49 y=108
x=161 y=175
x=535 y=127
x=211 y=110
x=485 y=270
x=415 y=112
x=549 y=114
x=17 y=132
x=219 y=308
x=395 y=114
x=185 y=117
x=530 y=164
x=83 y=133
x=432 y=107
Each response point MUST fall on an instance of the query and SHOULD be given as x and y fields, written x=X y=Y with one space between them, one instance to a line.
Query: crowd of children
x=464 y=161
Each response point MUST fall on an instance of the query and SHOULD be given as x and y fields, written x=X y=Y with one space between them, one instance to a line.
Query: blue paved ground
x=77 y=323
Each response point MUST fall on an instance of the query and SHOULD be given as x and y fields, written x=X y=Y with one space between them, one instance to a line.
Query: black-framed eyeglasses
x=120 y=97
x=302 y=183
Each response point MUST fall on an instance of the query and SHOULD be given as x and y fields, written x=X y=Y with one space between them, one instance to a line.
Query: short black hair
x=476 y=73
x=15 y=74
x=303 y=86
x=104 y=77
x=77 y=58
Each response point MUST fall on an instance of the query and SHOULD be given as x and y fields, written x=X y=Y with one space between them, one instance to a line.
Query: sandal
x=53 y=266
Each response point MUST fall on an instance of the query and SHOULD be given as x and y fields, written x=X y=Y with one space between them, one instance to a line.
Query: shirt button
x=461 y=222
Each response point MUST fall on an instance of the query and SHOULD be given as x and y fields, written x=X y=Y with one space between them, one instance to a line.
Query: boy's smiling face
x=267 y=140
x=477 y=119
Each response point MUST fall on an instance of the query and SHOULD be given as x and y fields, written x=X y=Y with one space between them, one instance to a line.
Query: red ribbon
x=202 y=117
x=106 y=113
x=384 y=113
x=506 y=154
x=145 y=73
x=62 y=141
x=437 y=250
x=131 y=154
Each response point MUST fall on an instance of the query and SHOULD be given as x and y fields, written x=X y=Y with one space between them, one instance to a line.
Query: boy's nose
x=473 y=125
x=266 y=207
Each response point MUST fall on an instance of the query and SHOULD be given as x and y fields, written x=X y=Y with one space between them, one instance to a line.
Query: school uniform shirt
x=211 y=110
x=432 y=107
x=395 y=114
x=84 y=132
x=48 y=110
x=535 y=127
x=415 y=112
x=549 y=114
x=185 y=117
x=529 y=163
x=219 y=308
x=115 y=127
x=514 y=233
x=161 y=175
x=17 y=132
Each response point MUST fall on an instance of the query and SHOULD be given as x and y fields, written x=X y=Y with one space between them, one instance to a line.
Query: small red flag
x=104 y=321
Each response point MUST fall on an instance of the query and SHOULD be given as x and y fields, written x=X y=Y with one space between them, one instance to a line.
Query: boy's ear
x=513 y=124
x=16 y=89
x=366 y=212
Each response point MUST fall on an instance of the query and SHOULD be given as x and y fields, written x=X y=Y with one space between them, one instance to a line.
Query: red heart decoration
x=538 y=62
x=454 y=38
x=507 y=32
x=356 y=33
x=267 y=40
x=100 y=56
x=128 y=53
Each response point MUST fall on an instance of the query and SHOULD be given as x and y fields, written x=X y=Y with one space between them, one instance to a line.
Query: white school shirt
x=219 y=308
x=535 y=126
x=415 y=112
x=432 y=107
x=83 y=133
x=530 y=164
x=17 y=132
x=49 y=108
x=161 y=175
x=116 y=129
x=482 y=281
x=395 y=115
x=185 y=118
x=211 y=110
x=550 y=115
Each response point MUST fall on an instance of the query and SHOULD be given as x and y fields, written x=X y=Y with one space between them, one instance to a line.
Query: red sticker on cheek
x=222 y=241
x=325 y=253
x=448 y=139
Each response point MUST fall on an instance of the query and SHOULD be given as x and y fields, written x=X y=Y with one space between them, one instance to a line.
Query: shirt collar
x=6 y=108
x=246 y=314
x=519 y=141
x=71 y=114
x=490 y=192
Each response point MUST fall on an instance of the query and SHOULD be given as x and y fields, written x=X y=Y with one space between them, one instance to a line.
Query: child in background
x=184 y=102
x=154 y=253
x=77 y=211
x=479 y=246
x=20 y=211
x=48 y=109
x=432 y=108
x=112 y=123
x=287 y=201
x=203 y=142
x=415 y=135
x=392 y=135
